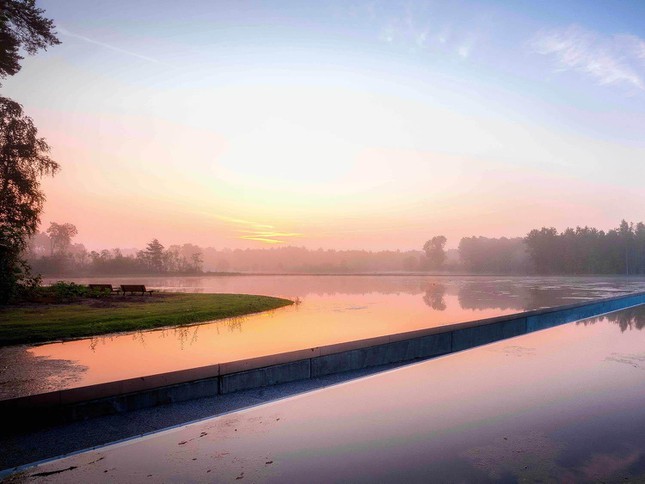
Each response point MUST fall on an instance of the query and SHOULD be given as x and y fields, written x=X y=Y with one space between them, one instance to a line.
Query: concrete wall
x=85 y=402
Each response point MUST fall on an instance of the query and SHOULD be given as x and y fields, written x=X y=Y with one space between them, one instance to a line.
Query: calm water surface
x=334 y=309
x=562 y=405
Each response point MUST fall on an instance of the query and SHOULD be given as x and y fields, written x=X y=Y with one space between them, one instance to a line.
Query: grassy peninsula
x=36 y=323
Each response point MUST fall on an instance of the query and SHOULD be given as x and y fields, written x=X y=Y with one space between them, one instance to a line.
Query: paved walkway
x=33 y=446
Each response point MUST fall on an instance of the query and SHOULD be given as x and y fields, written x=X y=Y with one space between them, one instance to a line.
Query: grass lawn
x=36 y=323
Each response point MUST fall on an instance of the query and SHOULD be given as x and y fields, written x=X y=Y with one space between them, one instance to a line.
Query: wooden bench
x=132 y=288
x=104 y=288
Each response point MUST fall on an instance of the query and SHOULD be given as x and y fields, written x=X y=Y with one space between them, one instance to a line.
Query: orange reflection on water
x=319 y=320
x=334 y=309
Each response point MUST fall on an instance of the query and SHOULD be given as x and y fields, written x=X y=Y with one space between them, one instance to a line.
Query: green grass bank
x=37 y=323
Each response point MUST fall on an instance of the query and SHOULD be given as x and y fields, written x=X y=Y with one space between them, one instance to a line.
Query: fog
x=583 y=250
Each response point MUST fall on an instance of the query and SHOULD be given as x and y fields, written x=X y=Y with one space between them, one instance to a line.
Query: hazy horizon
x=343 y=125
x=452 y=245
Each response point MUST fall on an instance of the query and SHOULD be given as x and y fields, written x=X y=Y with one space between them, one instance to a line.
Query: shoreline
x=46 y=323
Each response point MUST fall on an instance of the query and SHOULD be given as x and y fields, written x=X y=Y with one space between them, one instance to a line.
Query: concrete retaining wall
x=136 y=393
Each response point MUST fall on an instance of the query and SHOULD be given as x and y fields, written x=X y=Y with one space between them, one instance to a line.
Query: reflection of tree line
x=474 y=292
x=509 y=296
x=484 y=295
x=627 y=319
x=433 y=297
x=505 y=295
x=292 y=286
x=492 y=295
x=185 y=335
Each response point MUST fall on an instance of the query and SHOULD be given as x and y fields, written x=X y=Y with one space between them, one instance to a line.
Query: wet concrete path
x=28 y=447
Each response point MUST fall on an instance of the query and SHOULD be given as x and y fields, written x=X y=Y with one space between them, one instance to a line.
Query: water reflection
x=475 y=292
x=520 y=295
x=185 y=335
x=472 y=292
x=235 y=324
x=561 y=406
x=22 y=372
x=628 y=319
x=433 y=297
x=493 y=294
x=332 y=309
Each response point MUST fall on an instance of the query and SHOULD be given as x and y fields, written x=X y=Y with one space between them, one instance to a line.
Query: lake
x=333 y=309
x=562 y=405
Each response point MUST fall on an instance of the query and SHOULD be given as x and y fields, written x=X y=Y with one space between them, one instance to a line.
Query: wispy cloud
x=256 y=231
x=239 y=221
x=415 y=28
x=67 y=33
x=610 y=60
x=269 y=237
x=635 y=44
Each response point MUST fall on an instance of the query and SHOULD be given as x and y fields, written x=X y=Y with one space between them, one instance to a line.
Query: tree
x=626 y=232
x=23 y=156
x=434 y=249
x=639 y=236
x=197 y=261
x=60 y=236
x=38 y=245
x=154 y=255
x=542 y=246
x=22 y=25
x=493 y=256
x=24 y=160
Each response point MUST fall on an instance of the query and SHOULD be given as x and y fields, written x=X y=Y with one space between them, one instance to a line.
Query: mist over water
x=471 y=292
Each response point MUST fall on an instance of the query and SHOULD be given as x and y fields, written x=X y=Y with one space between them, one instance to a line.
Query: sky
x=349 y=125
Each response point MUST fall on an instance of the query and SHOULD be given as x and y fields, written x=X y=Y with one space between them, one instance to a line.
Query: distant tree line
x=302 y=260
x=494 y=256
x=52 y=252
x=583 y=250
x=588 y=250
x=543 y=251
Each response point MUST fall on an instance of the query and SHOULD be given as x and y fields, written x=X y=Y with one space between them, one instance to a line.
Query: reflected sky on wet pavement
x=563 y=404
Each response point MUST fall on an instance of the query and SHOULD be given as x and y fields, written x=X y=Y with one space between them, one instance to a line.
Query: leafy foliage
x=587 y=250
x=60 y=236
x=22 y=25
x=24 y=157
x=494 y=256
x=153 y=256
x=16 y=280
x=24 y=160
x=68 y=258
x=434 y=249
x=67 y=291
